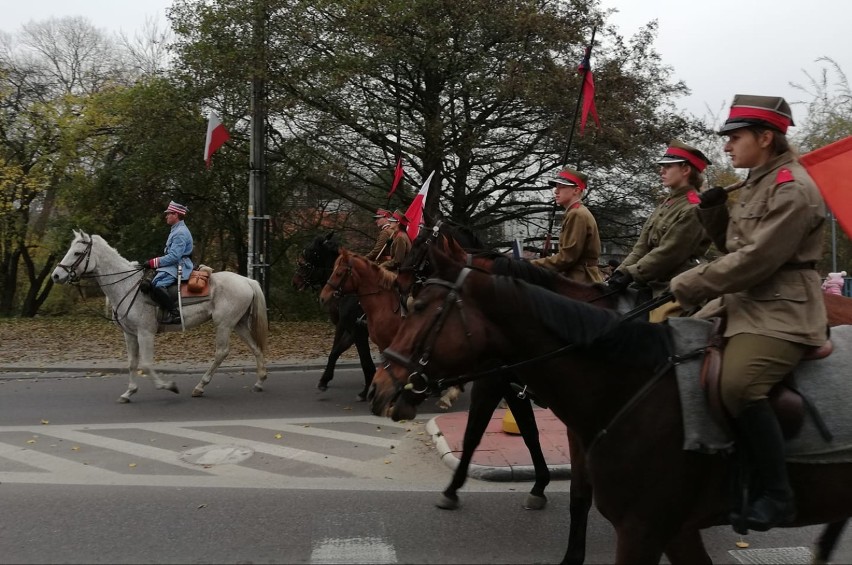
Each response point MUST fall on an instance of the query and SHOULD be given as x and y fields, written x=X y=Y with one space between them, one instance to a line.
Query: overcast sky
x=718 y=48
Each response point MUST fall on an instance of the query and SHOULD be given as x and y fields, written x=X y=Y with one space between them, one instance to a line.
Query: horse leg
x=484 y=398
x=223 y=347
x=580 y=503
x=244 y=332
x=637 y=545
x=522 y=410
x=133 y=362
x=827 y=541
x=343 y=340
x=362 y=343
x=688 y=548
x=146 y=361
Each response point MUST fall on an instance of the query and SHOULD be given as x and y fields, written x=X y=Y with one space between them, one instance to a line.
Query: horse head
x=315 y=262
x=438 y=338
x=343 y=278
x=78 y=261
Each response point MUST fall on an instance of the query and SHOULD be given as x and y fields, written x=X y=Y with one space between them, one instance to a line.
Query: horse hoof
x=123 y=400
x=362 y=396
x=534 y=502
x=257 y=388
x=172 y=386
x=447 y=503
x=322 y=387
x=196 y=392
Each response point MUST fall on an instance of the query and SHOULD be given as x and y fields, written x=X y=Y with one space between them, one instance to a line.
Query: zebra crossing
x=305 y=453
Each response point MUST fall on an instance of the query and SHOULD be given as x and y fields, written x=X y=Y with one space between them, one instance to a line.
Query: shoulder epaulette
x=784 y=176
x=692 y=197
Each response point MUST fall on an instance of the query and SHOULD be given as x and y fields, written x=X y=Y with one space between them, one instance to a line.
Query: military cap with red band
x=679 y=152
x=382 y=213
x=764 y=111
x=570 y=177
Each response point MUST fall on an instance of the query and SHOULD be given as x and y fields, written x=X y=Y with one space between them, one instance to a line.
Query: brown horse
x=609 y=383
x=356 y=275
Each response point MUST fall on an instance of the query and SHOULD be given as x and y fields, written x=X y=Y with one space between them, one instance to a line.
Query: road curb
x=507 y=473
x=166 y=368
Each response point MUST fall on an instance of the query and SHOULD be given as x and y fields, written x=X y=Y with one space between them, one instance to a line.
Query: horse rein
x=73 y=277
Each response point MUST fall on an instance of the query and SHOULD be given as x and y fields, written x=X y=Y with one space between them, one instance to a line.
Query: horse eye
x=419 y=306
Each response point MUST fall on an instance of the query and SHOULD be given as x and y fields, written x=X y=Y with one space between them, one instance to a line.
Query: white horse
x=235 y=303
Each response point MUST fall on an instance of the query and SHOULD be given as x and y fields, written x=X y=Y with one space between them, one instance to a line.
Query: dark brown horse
x=312 y=270
x=375 y=287
x=609 y=382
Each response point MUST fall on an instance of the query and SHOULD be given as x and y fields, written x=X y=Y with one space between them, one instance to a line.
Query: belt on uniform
x=798 y=266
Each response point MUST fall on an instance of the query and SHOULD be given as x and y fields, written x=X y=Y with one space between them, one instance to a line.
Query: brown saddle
x=197 y=286
x=787 y=402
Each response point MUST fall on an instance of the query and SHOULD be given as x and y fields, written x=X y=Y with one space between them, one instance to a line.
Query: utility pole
x=257 y=266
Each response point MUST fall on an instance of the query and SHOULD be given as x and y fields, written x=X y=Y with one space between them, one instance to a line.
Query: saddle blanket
x=825 y=382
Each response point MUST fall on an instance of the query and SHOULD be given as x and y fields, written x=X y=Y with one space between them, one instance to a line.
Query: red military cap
x=679 y=152
x=767 y=111
x=398 y=216
x=382 y=213
x=570 y=177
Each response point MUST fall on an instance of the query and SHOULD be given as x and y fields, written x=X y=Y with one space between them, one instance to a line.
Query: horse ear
x=76 y=233
x=329 y=235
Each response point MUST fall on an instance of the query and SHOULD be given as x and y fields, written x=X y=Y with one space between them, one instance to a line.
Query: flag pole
x=546 y=249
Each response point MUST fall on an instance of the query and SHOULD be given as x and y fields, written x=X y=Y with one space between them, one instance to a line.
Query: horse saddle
x=788 y=402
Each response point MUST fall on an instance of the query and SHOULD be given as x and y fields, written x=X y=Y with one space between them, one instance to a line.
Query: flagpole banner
x=588 y=89
x=415 y=210
x=217 y=135
x=831 y=169
x=397 y=176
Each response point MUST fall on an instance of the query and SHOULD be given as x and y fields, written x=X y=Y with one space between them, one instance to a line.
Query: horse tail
x=259 y=322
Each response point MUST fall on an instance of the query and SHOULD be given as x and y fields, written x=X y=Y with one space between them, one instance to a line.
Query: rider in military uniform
x=381 y=250
x=579 y=241
x=672 y=240
x=770 y=290
x=400 y=244
x=178 y=252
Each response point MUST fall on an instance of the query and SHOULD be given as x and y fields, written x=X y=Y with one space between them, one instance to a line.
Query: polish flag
x=397 y=176
x=415 y=211
x=217 y=135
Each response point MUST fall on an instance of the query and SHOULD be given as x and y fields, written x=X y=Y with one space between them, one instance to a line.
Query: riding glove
x=146 y=263
x=713 y=197
x=619 y=280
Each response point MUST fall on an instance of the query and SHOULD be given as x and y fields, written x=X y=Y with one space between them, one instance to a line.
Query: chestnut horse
x=612 y=385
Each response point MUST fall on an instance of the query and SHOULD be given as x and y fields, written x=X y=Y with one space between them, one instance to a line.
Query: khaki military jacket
x=381 y=250
x=579 y=247
x=672 y=241
x=771 y=237
x=400 y=246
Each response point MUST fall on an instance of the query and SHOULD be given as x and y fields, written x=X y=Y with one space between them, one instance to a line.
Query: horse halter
x=338 y=289
x=73 y=276
x=423 y=350
x=419 y=266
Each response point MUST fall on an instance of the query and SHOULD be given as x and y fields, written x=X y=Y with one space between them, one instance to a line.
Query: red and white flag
x=217 y=135
x=415 y=211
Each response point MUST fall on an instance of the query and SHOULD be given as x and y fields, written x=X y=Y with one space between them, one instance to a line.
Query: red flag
x=415 y=211
x=831 y=169
x=397 y=176
x=217 y=135
x=585 y=69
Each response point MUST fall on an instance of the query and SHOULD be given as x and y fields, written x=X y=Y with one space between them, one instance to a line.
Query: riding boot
x=760 y=432
x=162 y=298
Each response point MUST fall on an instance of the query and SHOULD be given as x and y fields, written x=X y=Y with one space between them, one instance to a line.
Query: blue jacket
x=178 y=249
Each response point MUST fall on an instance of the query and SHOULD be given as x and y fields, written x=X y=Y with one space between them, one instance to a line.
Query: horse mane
x=598 y=330
x=507 y=266
x=385 y=279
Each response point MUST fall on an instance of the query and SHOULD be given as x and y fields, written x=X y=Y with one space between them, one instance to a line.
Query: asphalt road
x=289 y=475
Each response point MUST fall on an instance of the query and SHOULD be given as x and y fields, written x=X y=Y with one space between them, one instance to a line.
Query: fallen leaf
x=742 y=544
x=46 y=422
x=32 y=440
x=134 y=464
x=76 y=448
x=277 y=436
x=200 y=506
x=387 y=461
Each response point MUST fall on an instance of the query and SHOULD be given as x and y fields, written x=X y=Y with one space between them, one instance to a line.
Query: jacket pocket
x=792 y=291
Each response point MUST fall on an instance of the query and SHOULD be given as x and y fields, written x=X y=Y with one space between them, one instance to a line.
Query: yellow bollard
x=510 y=426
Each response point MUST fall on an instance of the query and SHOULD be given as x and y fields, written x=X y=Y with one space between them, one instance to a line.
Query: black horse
x=313 y=269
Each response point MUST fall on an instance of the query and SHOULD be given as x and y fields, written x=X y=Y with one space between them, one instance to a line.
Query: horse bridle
x=306 y=269
x=421 y=262
x=73 y=276
x=338 y=289
x=423 y=350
